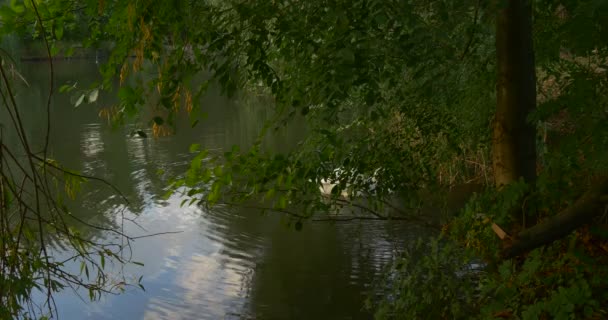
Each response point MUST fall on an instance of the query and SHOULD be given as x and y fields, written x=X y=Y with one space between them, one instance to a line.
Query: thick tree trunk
x=514 y=139
x=587 y=207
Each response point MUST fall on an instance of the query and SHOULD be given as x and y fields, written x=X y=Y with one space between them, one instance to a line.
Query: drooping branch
x=583 y=211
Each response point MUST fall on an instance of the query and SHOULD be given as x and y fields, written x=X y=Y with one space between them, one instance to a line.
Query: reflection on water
x=224 y=264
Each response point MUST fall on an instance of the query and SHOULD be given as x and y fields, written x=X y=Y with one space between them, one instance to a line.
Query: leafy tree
x=36 y=222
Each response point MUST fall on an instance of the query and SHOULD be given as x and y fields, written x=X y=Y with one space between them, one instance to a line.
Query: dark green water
x=225 y=264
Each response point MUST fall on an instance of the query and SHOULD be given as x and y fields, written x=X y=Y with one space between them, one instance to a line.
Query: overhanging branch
x=583 y=211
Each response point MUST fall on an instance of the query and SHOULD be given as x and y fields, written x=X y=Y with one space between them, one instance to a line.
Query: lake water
x=224 y=264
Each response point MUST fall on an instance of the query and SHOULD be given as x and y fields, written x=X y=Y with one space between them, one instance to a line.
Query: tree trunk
x=514 y=139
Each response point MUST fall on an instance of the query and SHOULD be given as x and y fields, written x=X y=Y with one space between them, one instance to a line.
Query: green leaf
x=69 y=52
x=126 y=94
x=218 y=171
x=58 y=29
x=206 y=176
x=214 y=195
x=282 y=203
x=183 y=202
x=197 y=161
x=18 y=8
x=269 y=194
x=93 y=95
x=79 y=101
x=67 y=88
x=54 y=50
x=195 y=147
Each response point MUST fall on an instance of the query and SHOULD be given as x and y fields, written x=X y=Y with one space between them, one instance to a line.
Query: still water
x=223 y=263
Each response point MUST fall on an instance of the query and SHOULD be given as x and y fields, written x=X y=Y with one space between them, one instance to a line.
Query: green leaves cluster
x=37 y=225
x=538 y=288
x=439 y=279
x=433 y=279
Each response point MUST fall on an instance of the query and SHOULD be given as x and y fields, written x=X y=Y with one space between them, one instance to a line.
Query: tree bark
x=514 y=138
x=583 y=211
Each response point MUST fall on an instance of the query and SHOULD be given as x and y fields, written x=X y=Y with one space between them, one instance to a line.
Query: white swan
x=327 y=184
x=326 y=187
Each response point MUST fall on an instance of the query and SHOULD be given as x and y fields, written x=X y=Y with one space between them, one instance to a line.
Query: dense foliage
x=400 y=95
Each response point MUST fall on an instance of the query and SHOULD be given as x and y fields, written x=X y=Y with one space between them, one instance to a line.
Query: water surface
x=224 y=264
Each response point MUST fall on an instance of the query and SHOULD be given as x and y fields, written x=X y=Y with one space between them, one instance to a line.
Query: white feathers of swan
x=327 y=184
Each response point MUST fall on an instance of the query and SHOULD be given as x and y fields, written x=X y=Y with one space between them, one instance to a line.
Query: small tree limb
x=583 y=211
x=499 y=231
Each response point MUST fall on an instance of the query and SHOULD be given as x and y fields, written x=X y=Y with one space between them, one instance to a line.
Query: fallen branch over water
x=582 y=212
